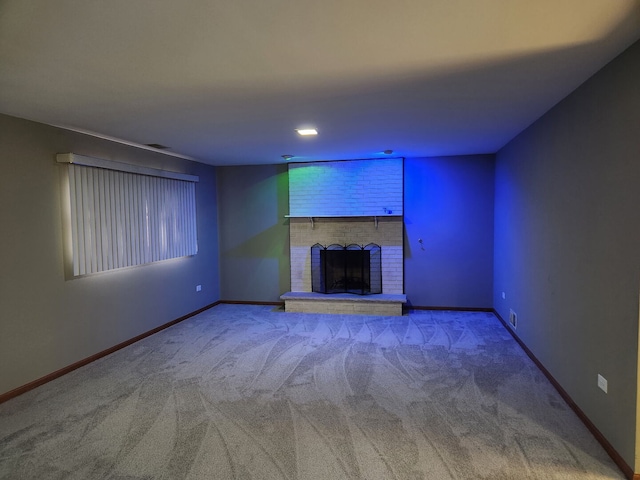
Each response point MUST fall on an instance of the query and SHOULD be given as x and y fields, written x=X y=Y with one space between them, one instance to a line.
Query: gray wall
x=254 y=234
x=47 y=322
x=448 y=203
x=567 y=243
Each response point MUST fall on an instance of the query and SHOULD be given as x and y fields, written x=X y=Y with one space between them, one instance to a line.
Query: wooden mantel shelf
x=343 y=216
x=375 y=217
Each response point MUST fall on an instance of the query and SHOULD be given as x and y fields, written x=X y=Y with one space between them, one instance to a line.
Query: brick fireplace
x=345 y=230
x=354 y=202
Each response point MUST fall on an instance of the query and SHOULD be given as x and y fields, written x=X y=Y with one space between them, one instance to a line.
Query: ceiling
x=226 y=83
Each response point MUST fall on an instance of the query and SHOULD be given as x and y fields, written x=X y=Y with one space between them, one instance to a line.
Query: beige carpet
x=252 y=392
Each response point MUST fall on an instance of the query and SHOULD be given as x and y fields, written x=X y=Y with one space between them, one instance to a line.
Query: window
x=122 y=215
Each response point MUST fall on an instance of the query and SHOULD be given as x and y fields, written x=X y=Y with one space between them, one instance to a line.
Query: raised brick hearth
x=345 y=303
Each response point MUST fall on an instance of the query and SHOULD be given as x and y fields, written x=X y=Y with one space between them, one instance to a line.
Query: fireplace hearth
x=346 y=269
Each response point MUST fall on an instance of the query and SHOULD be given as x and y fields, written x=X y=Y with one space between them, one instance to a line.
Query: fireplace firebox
x=346 y=269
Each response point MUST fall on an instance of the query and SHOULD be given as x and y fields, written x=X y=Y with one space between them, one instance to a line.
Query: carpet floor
x=252 y=392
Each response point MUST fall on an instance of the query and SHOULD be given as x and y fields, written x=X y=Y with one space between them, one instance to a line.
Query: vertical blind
x=121 y=219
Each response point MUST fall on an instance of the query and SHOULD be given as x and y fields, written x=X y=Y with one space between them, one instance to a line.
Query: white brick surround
x=338 y=189
x=348 y=202
x=344 y=231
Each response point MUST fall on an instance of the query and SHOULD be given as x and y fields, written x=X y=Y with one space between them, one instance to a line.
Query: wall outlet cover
x=602 y=383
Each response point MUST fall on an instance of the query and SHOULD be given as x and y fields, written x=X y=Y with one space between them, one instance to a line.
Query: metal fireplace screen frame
x=346 y=269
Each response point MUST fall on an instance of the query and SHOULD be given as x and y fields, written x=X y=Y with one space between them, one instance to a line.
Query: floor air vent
x=513 y=318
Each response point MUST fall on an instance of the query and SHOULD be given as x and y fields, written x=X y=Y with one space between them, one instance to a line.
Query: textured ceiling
x=228 y=82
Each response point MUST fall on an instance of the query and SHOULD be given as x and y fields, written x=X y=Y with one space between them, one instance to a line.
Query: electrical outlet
x=198 y=288
x=602 y=383
x=513 y=319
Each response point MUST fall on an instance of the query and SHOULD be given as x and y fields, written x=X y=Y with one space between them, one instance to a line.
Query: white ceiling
x=227 y=82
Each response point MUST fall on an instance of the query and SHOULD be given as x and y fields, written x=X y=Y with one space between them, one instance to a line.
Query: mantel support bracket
x=312 y=224
x=375 y=219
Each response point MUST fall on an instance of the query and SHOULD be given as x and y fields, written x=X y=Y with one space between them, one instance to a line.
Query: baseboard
x=406 y=307
x=455 y=309
x=251 y=302
x=63 y=371
x=615 y=456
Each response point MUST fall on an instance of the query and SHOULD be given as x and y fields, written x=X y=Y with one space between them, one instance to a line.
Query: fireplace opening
x=346 y=269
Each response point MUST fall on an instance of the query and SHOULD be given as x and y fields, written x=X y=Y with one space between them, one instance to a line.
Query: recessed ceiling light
x=287 y=157
x=388 y=152
x=306 y=131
